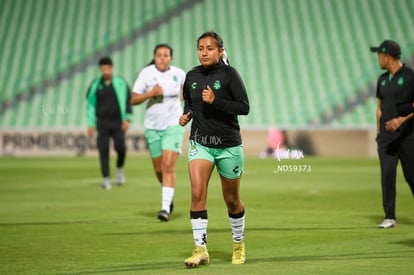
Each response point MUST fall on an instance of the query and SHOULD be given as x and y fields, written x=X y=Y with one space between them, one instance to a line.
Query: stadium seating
x=300 y=59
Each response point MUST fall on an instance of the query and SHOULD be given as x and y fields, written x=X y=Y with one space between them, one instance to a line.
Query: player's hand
x=184 y=119
x=392 y=125
x=156 y=91
x=125 y=125
x=208 y=95
x=91 y=131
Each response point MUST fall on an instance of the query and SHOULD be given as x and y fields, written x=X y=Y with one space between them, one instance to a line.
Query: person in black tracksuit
x=395 y=136
x=109 y=112
x=214 y=96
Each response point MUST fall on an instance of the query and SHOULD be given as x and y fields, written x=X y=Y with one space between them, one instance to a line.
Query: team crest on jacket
x=217 y=85
x=194 y=85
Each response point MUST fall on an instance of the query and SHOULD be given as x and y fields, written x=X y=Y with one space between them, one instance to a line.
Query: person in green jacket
x=109 y=112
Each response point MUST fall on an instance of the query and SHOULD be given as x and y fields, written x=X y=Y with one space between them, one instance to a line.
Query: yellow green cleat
x=199 y=257
x=239 y=253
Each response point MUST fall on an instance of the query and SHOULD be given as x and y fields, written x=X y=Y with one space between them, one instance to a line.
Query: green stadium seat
x=300 y=59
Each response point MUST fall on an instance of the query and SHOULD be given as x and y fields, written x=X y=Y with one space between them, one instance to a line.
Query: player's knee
x=168 y=168
x=232 y=203
x=198 y=195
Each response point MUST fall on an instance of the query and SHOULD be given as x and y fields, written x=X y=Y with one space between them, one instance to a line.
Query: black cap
x=388 y=47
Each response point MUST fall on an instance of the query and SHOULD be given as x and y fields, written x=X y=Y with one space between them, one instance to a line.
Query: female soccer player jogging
x=160 y=85
x=214 y=96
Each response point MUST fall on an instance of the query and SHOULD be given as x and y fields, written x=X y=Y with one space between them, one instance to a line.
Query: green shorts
x=229 y=161
x=169 y=139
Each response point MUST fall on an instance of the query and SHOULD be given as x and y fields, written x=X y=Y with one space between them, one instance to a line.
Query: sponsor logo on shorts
x=193 y=150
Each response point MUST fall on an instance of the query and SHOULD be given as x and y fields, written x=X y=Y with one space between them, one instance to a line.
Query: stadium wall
x=315 y=142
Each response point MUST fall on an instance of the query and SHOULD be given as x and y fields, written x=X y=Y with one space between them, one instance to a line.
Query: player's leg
x=103 y=148
x=171 y=141
x=156 y=165
x=407 y=162
x=153 y=140
x=230 y=165
x=168 y=175
x=388 y=165
x=118 y=137
x=231 y=195
x=200 y=167
x=167 y=193
x=200 y=172
x=236 y=214
x=168 y=161
x=154 y=143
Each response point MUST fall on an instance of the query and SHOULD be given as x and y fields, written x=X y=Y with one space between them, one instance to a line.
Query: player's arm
x=128 y=103
x=126 y=123
x=406 y=106
x=240 y=103
x=404 y=109
x=139 y=94
x=91 y=111
x=395 y=123
x=182 y=82
x=187 y=115
x=138 y=98
x=181 y=94
x=379 y=105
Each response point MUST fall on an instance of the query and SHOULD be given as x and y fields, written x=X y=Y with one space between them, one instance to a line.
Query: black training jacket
x=215 y=125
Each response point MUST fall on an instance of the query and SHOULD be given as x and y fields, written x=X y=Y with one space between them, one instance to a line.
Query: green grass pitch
x=55 y=219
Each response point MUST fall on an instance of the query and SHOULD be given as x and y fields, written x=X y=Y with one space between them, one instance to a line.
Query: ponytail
x=224 y=58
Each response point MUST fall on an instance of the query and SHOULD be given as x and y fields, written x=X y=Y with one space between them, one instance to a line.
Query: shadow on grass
x=377 y=219
x=373 y=221
x=154 y=215
x=222 y=258
x=187 y=231
x=182 y=231
x=169 y=266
